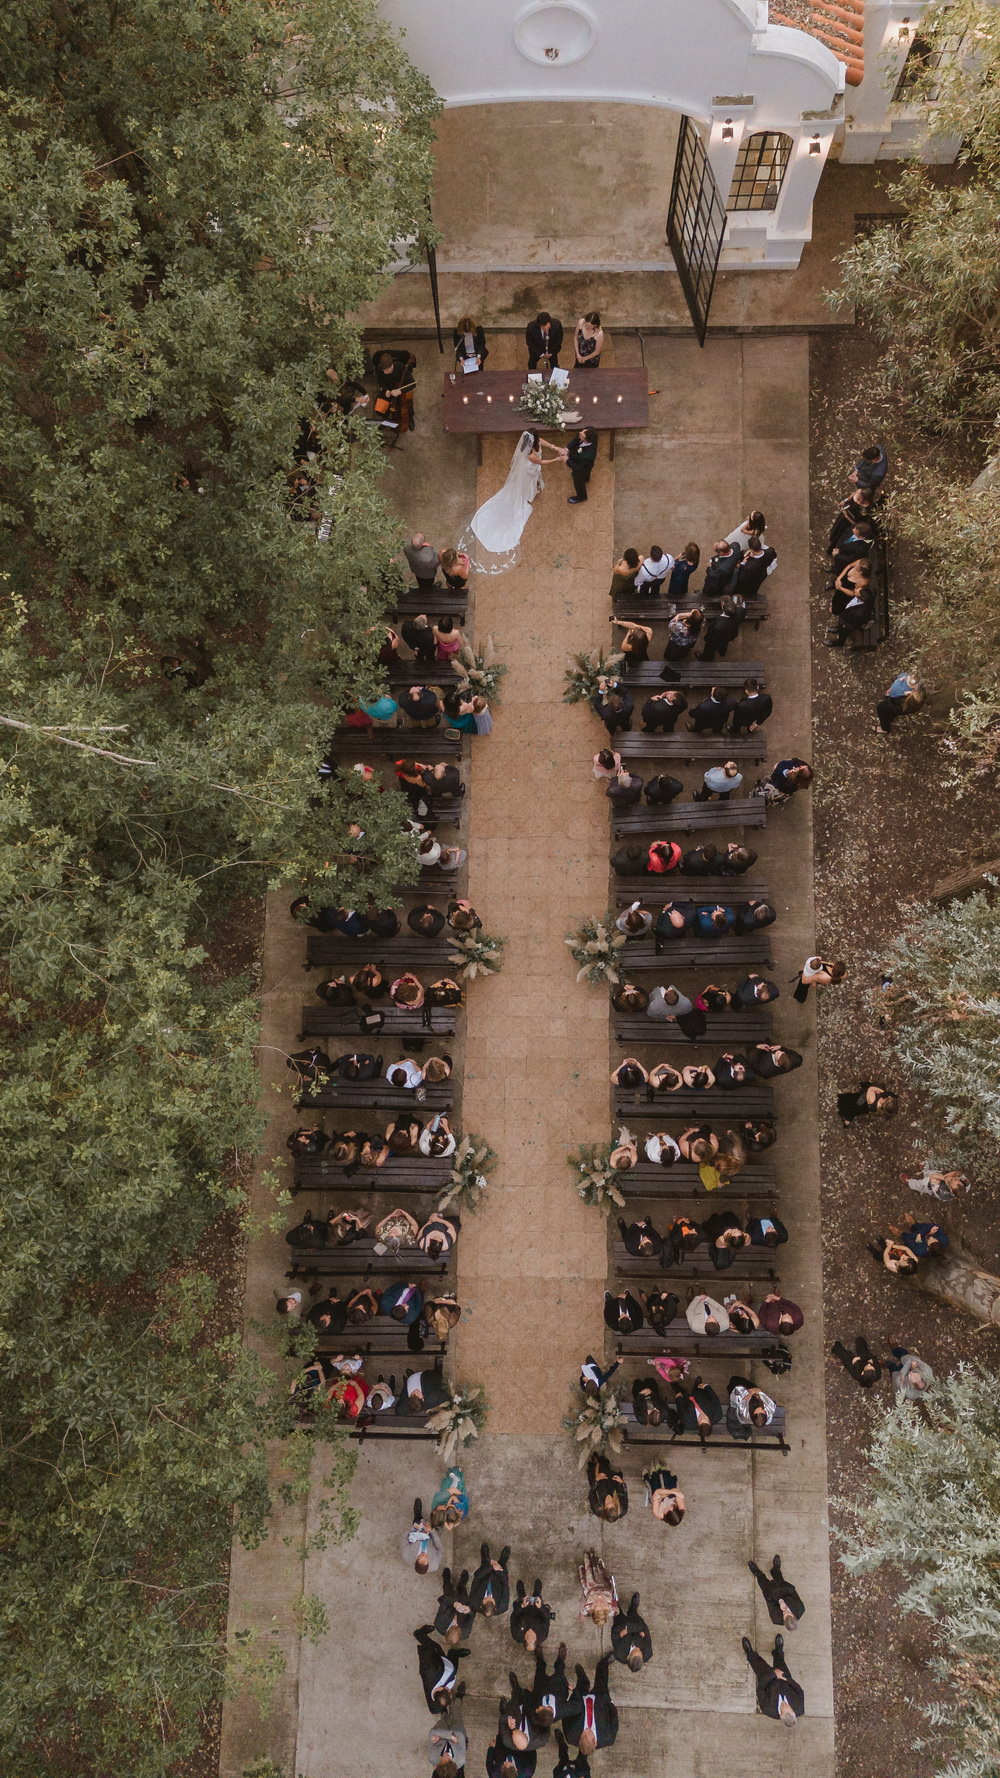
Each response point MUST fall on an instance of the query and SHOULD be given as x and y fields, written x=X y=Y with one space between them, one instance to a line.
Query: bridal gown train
x=494 y=535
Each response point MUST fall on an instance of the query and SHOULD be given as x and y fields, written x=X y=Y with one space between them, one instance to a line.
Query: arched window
x=760 y=169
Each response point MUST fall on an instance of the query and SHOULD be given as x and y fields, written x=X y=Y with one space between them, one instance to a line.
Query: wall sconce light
x=727 y=130
x=814 y=145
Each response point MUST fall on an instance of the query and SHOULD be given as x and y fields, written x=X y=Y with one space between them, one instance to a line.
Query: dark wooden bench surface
x=432 y=881
x=392 y=1425
x=743 y=1102
x=769 y=1438
x=363 y=1095
x=739 y=951
x=657 y=609
x=652 y=892
x=688 y=748
x=406 y=951
x=724 y=1030
x=400 y=1173
x=647 y=1180
x=404 y=673
x=381 y=1334
x=730 y=672
x=752 y=1262
x=397 y=743
x=437 y=601
x=320 y=1020
x=359 y=1259
x=682 y=1340
x=685 y=817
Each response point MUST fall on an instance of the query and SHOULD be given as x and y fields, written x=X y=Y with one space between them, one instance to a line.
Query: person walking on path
x=904 y=696
x=784 y=1607
x=446 y=1746
x=600 y=1596
x=421 y=1545
x=816 y=973
x=861 y=1364
x=438 y=1671
x=570 y=1765
x=608 y=1494
x=530 y=1617
x=592 y=1720
x=778 y=1694
x=631 y=1642
x=490 y=1590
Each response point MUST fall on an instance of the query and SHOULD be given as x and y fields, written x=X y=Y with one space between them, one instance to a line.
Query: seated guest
x=685 y=1234
x=422 y=1391
x=718 y=1000
x=309 y=1139
x=672 y=923
x=407 y=991
x=647 y=1402
x=661 y=711
x=630 y=860
x=664 y=1078
x=661 y=788
x=711 y=715
x=725 y=1237
x=768 y=1060
x=420 y=704
x=362 y=1305
x=714 y=922
x=438 y=1235
x=752 y=710
x=660 y=1307
x=779 y=1315
x=624 y=789
x=662 y=857
x=614 y=707
x=630 y=1075
x=624 y=1154
x=698 y=1078
x=699 y=1145
x=736 y=859
x=437 y=1140
x=444 y=993
x=462 y=917
x=856 y=547
x=437 y=1069
x=635 y=922
x=405 y=1075
x=308 y=1232
x=320 y=919
x=749 y=1410
x=358 y=1066
x=367 y=983
x=742 y=1317
x=755 y=991
x=732 y=1072
x=767 y=1231
x=700 y=861
x=682 y=634
x=311 y=1065
x=426 y=921
x=754 y=915
x=758 y=1133
x=641 y=1239
x=621 y=1312
x=696 y=1408
x=403 y=1136
x=629 y=997
x=706 y=1316
x=416 y=632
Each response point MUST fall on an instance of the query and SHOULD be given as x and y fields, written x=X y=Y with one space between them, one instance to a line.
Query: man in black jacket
x=778 y=1694
x=752 y=709
x=489 y=1593
x=580 y=457
x=455 y=1616
x=530 y=1617
x=592 y=1720
x=721 y=571
x=544 y=337
x=550 y=1691
x=438 y=1671
x=784 y=1607
x=661 y=711
x=711 y=715
x=575 y=1766
x=724 y=628
x=631 y=1642
x=755 y=567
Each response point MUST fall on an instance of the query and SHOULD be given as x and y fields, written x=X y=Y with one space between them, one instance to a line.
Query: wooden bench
x=751 y=1263
x=724 y=1030
x=653 y=891
x=397 y=743
x=400 y=1173
x=658 y=609
x=391 y=1425
x=404 y=673
x=742 y=1103
x=381 y=1334
x=430 y=881
x=358 y=1259
x=404 y=952
x=680 y=1339
x=730 y=672
x=364 y=1095
x=769 y=1438
x=437 y=601
x=685 y=817
x=647 y=1180
x=688 y=748
x=320 y=1020
x=740 y=950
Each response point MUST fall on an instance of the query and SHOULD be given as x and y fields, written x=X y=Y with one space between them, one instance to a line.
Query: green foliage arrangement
x=475 y=953
x=931 y=1514
x=458 y=1420
x=595 y=1176
x=481 y=672
x=544 y=402
x=597 y=1424
x=587 y=673
x=597 y=948
x=472 y=1163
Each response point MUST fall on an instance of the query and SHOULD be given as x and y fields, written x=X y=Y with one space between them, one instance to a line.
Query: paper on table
x=470 y=364
x=558 y=379
x=534 y=376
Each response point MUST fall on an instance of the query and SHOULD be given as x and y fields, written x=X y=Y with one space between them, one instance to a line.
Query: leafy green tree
x=930 y=1513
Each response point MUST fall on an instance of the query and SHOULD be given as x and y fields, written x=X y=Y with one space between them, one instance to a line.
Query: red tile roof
x=840 y=26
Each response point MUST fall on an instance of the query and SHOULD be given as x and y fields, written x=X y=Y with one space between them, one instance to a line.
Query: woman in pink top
x=448 y=638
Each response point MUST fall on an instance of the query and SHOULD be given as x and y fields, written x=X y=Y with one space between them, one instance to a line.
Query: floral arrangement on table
x=545 y=404
x=481 y=672
x=598 y=1424
x=458 y=1420
x=591 y=1166
x=584 y=677
x=472 y=1161
x=596 y=946
x=476 y=953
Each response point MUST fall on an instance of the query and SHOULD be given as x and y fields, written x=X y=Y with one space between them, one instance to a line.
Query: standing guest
x=754 y=525
x=755 y=991
x=904 y=695
x=530 y=1617
x=608 y=1497
x=471 y=350
x=544 y=338
x=754 y=915
x=861 y=1364
x=614 y=707
x=720 y=782
x=589 y=341
x=423 y=561
x=749 y=1410
x=455 y=566
x=778 y=1315
x=635 y=643
x=550 y=1691
x=871 y=1099
x=489 y=1593
x=682 y=634
x=653 y=571
x=684 y=566
x=450 y=1504
x=768 y=1060
x=894 y=1256
x=660 y=714
x=421 y=1546
x=438 y=1671
x=712 y=713
x=856 y=547
x=425 y=920
x=945 y=1187
x=624 y=790
x=736 y=859
x=784 y=1607
x=447 y=1747
x=631 y=1642
x=592 y=1378
x=570 y=1766
x=607 y=764
x=623 y=574
x=815 y=973
x=309 y=1139
x=455 y=1616
x=752 y=710
x=778 y=1694
x=600 y=1597
x=419 y=637
x=720 y=575
x=509 y=1762
x=462 y=917
x=581 y=454
x=724 y=627
x=757 y=563
x=421 y=706
x=516 y=1729
x=911 y=1377
x=924 y=1239
x=871 y=469
x=663 y=1497
x=447 y=639
x=591 y=1719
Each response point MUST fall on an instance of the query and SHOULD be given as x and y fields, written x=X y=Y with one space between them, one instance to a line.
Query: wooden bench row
x=723 y=1030
x=437 y=601
x=690 y=749
x=750 y=1262
x=730 y=672
x=400 y=1173
x=682 y=1181
x=407 y=951
x=657 y=609
x=685 y=817
x=743 y=1102
x=359 y=1259
x=681 y=1340
x=397 y=743
x=400 y=1021
x=381 y=1334
x=740 y=951
x=363 y=1095
x=653 y=891
x=770 y=1437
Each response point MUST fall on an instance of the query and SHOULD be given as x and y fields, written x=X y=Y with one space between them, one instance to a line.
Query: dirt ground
x=885 y=835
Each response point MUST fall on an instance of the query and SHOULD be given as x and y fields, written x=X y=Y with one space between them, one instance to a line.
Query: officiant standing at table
x=471 y=350
x=544 y=336
x=580 y=457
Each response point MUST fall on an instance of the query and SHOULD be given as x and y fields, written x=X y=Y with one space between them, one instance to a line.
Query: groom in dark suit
x=580 y=456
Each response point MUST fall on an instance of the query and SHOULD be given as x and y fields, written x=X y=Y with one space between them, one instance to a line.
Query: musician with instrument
x=394 y=386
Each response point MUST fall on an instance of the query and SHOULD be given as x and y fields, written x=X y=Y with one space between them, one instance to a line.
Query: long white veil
x=492 y=541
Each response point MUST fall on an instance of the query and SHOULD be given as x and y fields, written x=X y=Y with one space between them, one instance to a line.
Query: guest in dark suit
x=516 y=1729
x=696 y=1409
x=549 y=1691
x=647 y=1402
x=438 y=1671
x=577 y=1766
x=752 y=709
x=784 y=1607
x=581 y=455
x=711 y=715
x=489 y=1593
x=505 y=1762
x=544 y=337
x=778 y=1694
x=862 y=1363
x=455 y=1616
x=530 y=1617
x=614 y=707
x=662 y=788
x=622 y=1313
x=592 y=1720
x=643 y=1241
x=631 y=1642
x=721 y=571
x=723 y=628
x=767 y=1231
x=661 y=711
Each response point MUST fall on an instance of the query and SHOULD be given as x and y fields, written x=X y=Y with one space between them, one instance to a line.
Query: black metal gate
x=696 y=225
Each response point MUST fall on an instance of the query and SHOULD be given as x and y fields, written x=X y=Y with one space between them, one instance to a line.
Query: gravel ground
x=884 y=837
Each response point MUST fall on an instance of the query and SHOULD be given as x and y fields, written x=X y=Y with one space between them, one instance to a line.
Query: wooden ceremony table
x=486 y=401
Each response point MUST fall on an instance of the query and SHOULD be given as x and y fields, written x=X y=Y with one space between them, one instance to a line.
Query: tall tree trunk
x=959 y=1280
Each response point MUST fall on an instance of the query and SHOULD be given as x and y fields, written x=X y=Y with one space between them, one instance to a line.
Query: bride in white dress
x=494 y=535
